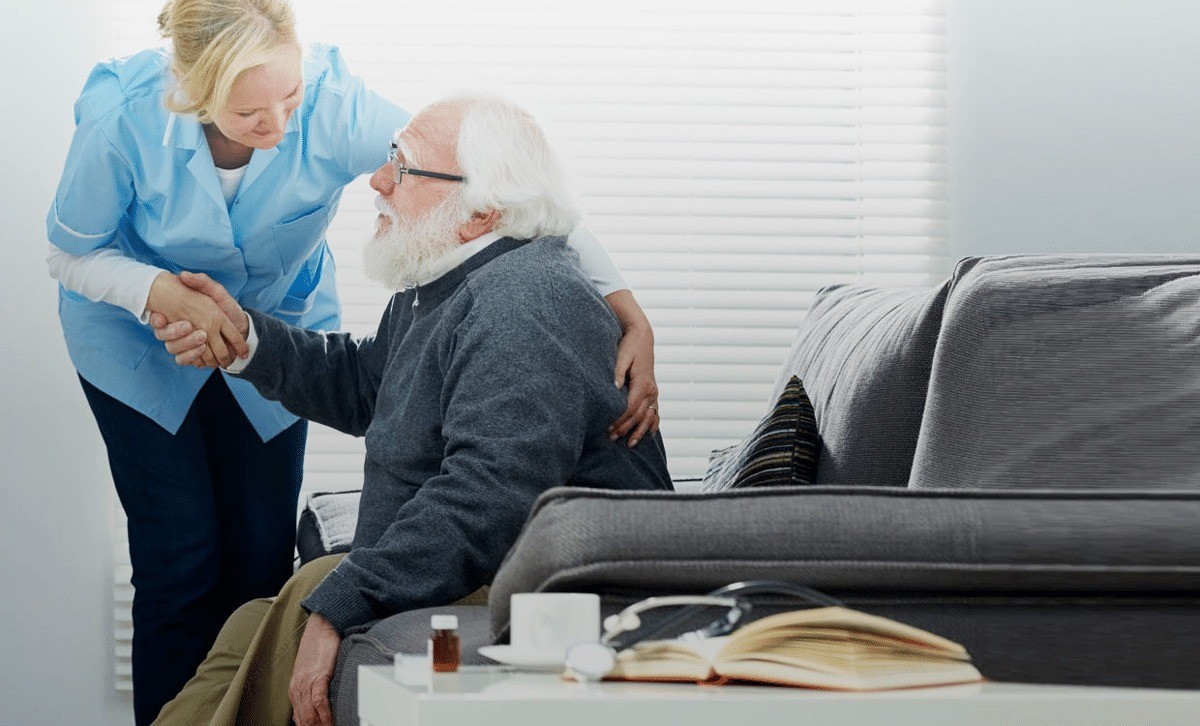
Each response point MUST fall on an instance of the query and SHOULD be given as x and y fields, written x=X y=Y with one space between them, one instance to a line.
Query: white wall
x=1075 y=126
x=55 y=631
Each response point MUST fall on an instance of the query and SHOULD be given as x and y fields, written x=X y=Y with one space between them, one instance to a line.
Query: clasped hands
x=198 y=320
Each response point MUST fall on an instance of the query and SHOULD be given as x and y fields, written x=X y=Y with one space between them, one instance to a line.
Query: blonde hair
x=215 y=41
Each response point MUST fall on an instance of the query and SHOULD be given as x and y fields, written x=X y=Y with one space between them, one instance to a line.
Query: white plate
x=522 y=658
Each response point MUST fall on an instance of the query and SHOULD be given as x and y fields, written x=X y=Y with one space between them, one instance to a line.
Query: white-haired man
x=488 y=381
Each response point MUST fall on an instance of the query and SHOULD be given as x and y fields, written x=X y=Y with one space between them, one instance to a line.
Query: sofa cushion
x=327 y=524
x=1066 y=372
x=864 y=355
x=781 y=451
x=848 y=541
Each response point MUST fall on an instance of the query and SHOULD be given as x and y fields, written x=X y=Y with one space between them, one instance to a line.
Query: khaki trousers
x=244 y=679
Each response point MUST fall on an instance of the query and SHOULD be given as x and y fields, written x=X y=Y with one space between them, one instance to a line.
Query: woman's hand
x=635 y=364
x=186 y=318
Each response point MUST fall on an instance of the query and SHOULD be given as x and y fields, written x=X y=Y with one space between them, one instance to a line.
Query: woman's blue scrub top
x=142 y=180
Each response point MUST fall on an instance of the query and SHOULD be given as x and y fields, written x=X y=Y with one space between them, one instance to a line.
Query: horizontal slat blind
x=733 y=159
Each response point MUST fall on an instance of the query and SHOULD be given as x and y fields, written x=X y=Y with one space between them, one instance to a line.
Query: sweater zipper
x=416 y=296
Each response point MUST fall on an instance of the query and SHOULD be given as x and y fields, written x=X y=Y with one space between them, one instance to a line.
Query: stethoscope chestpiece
x=590 y=661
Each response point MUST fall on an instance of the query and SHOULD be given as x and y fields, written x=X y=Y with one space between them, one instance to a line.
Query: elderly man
x=488 y=381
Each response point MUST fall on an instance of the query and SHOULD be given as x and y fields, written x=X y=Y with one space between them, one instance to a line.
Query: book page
x=829 y=647
x=687 y=660
x=844 y=623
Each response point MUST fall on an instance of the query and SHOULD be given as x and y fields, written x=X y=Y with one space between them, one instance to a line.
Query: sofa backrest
x=864 y=357
x=1066 y=371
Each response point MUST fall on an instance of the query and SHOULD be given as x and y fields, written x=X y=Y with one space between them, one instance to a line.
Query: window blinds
x=732 y=157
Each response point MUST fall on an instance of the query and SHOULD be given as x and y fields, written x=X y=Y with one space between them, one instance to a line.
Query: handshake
x=198 y=320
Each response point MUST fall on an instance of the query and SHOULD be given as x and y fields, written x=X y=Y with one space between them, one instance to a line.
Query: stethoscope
x=592 y=661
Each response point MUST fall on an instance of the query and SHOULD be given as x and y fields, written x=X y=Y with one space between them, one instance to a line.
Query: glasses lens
x=394 y=157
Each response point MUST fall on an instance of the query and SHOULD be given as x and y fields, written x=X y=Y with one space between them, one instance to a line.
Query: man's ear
x=480 y=224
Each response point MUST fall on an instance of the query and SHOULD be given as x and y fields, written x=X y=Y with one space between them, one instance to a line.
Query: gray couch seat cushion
x=1066 y=372
x=881 y=540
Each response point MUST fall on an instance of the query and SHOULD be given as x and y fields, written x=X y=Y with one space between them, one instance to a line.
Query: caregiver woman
x=227 y=155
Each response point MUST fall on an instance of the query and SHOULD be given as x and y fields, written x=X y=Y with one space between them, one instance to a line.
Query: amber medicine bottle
x=443 y=644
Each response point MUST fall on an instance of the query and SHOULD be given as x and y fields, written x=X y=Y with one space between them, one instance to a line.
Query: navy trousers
x=212 y=524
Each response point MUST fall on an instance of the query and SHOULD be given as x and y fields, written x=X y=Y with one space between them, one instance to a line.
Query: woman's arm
x=635 y=364
x=107 y=276
x=635 y=353
x=353 y=120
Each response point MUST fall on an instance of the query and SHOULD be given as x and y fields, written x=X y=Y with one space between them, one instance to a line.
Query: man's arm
x=330 y=378
x=521 y=390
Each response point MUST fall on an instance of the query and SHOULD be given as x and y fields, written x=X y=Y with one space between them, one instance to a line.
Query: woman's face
x=262 y=100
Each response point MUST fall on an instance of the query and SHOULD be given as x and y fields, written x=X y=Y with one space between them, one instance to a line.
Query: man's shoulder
x=537 y=262
x=541 y=278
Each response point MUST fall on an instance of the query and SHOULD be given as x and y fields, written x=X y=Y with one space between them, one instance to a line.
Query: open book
x=830 y=647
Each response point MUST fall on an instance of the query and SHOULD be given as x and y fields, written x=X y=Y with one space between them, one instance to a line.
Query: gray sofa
x=1008 y=459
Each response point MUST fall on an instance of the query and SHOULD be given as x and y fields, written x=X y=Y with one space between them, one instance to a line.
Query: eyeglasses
x=396 y=161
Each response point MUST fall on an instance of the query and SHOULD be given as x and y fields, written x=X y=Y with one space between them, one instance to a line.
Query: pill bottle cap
x=444 y=622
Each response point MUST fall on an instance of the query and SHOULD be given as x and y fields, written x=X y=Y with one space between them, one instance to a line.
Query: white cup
x=551 y=622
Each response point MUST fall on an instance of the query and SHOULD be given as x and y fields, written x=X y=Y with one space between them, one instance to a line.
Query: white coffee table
x=489 y=696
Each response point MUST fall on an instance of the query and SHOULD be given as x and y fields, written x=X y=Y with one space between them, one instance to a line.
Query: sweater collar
x=434 y=292
x=457 y=255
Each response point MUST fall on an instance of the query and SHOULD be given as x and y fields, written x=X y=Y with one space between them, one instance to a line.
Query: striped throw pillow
x=782 y=450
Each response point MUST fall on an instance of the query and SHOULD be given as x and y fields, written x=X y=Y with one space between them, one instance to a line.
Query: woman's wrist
x=158 y=290
x=629 y=314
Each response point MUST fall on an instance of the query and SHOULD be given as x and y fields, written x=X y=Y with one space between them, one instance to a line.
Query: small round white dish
x=535 y=660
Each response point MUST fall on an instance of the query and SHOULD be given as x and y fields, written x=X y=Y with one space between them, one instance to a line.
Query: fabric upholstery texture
x=864 y=355
x=867 y=538
x=1041 y=586
x=1066 y=372
x=378 y=644
x=781 y=451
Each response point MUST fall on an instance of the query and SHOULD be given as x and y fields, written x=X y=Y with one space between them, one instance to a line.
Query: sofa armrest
x=327 y=524
x=848 y=540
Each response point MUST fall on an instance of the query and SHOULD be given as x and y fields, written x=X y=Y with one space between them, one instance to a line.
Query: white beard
x=405 y=255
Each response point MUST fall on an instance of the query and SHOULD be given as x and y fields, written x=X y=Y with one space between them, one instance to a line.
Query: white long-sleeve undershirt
x=108 y=276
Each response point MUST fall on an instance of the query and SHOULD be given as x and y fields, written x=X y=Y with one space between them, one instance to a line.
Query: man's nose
x=383 y=181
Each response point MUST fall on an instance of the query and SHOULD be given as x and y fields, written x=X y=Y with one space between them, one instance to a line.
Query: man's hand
x=315 y=660
x=189 y=340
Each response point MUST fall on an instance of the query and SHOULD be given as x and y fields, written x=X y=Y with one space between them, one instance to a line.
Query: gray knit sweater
x=478 y=392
